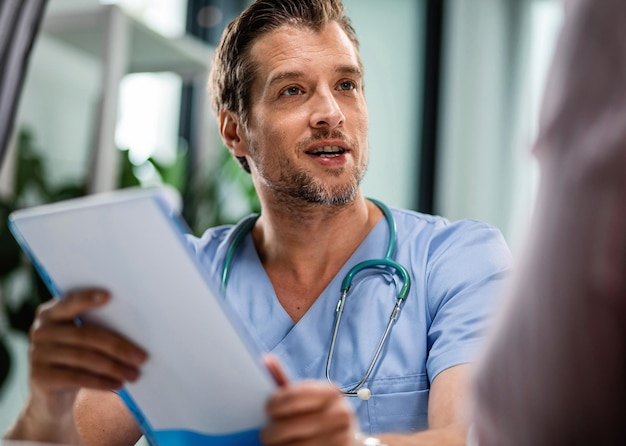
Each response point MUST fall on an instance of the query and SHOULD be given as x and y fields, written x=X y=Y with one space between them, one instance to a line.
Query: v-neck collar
x=251 y=293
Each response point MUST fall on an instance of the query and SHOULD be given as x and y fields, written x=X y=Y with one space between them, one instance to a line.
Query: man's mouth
x=327 y=151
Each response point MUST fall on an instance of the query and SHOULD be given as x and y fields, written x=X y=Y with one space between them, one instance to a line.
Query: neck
x=302 y=251
x=281 y=235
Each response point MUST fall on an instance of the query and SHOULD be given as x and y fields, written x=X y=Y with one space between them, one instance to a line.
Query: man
x=287 y=86
x=555 y=372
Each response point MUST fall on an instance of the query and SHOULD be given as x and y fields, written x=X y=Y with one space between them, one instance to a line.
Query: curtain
x=19 y=23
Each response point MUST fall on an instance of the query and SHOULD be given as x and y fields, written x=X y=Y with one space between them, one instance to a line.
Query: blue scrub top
x=457 y=270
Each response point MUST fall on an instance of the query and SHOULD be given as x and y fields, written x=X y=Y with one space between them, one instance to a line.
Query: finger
x=71 y=306
x=53 y=378
x=333 y=425
x=276 y=370
x=303 y=397
x=306 y=431
x=87 y=338
x=81 y=361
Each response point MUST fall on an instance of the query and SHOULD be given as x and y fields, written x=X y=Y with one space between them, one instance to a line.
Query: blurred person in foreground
x=555 y=369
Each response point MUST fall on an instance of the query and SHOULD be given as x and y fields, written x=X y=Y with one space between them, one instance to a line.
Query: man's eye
x=291 y=91
x=347 y=85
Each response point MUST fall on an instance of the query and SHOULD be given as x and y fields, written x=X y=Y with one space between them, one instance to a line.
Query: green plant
x=30 y=186
x=224 y=196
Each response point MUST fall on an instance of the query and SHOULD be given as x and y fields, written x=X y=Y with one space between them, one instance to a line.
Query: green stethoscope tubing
x=386 y=262
x=240 y=232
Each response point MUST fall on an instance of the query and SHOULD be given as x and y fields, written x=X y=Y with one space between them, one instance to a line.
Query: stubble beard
x=303 y=187
x=295 y=188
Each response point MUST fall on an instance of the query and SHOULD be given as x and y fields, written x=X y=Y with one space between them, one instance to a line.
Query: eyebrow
x=288 y=75
x=349 y=69
x=285 y=75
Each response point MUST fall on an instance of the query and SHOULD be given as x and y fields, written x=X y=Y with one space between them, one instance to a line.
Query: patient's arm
x=555 y=372
x=103 y=419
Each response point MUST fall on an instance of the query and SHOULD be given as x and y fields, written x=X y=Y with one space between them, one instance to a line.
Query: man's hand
x=307 y=413
x=65 y=357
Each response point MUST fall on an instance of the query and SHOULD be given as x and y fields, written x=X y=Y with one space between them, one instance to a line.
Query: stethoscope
x=387 y=262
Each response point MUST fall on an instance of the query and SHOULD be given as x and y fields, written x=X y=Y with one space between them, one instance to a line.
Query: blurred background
x=115 y=96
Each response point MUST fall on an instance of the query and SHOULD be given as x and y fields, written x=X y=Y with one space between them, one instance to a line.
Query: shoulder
x=210 y=250
x=438 y=238
x=212 y=246
x=210 y=240
x=440 y=231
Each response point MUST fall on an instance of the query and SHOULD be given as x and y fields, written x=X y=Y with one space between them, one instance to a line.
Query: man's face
x=307 y=131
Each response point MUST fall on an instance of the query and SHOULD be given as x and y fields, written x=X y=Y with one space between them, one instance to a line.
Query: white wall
x=58 y=103
x=391 y=38
x=496 y=55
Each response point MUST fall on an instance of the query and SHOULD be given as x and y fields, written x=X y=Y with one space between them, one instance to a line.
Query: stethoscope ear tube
x=385 y=263
x=358 y=390
x=378 y=263
x=239 y=232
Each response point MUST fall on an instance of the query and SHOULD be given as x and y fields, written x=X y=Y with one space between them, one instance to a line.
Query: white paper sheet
x=201 y=375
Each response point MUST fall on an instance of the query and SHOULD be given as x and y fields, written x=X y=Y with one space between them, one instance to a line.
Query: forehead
x=292 y=48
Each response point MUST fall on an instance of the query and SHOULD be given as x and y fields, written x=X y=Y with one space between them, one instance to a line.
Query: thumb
x=276 y=370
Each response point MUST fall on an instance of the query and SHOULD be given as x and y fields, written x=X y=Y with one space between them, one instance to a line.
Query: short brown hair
x=232 y=71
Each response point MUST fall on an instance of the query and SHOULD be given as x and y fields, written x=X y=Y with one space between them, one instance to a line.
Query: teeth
x=328 y=149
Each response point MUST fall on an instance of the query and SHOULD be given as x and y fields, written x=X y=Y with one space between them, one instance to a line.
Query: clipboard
x=203 y=383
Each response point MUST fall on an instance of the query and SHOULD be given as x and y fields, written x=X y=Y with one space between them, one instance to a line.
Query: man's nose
x=326 y=111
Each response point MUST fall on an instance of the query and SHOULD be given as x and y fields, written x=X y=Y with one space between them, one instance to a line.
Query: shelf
x=124 y=45
x=147 y=51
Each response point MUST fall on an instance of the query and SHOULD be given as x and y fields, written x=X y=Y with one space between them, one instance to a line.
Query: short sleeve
x=468 y=265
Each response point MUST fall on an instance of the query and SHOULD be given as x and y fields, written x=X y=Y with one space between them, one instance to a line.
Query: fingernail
x=139 y=356
x=132 y=375
x=98 y=297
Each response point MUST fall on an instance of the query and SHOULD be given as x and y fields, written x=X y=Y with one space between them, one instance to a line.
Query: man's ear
x=233 y=133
